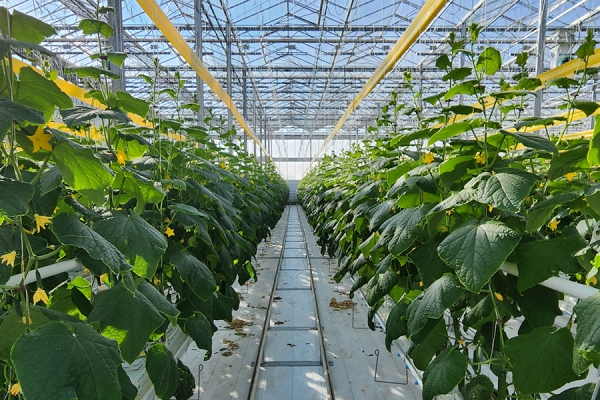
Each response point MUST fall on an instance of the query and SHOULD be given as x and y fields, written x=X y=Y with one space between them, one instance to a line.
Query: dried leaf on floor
x=342 y=305
x=238 y=324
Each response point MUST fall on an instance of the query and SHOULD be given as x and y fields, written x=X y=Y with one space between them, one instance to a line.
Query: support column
x=260 y=137
x=229 y=88
x=541 y=47
x=594 y=99
x=198 y=37
x=115 y=19
x=254 y=121
x=245 y=103
x=461 y=60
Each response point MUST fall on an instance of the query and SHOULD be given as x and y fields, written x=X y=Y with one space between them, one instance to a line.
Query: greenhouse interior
x=299 y=199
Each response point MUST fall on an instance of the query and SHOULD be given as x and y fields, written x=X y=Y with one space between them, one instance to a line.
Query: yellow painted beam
x=163 y=23
x=562 y=71
x=421 y=21
x=580 y=135
x=77 y=92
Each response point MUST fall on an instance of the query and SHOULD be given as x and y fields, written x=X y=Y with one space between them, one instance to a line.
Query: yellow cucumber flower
x=40 y=295
x=9 y=258
x=41 y=222
x=40 y=140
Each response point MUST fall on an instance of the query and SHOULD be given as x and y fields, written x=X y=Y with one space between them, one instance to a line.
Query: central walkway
x=295 y=329
x=293 y=364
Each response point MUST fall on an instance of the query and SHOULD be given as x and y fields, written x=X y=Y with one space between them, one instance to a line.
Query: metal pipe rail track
x=281 y=365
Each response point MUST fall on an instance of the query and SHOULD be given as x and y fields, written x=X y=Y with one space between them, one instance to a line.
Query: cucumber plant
x=165 y=217
x=427 y=216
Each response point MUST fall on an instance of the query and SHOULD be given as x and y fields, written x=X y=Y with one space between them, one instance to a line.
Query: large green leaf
x=7 y=44
x=588 y=107
x=91 y=26
x=455 y=168
x=461 y=109
x=141 y=244
x=541 y=360
x=400 y=231
x=480 y=314
x=542 y=211
x=145 y=190
x=457 y=74
x=162 y=371
x=593 y=155
x=480 y=388
x=70 y=230
x=455 y=200
x=505 y=190
x=27 y=29
x=64 y=361
x=40 y=93
x=395 y=326
x=380 y=285
x=200 y=330
x=587 y=338
x=450 y=131
x=82 y=170
x=91 y=72
x=128 y=390
x=12 y=328
x=129 y=318
x=380 y=213
x=11 y=111
x=432 y=303
x=50 y=180
x=189 y=210
x=158 y=300
x=542 y=259
x=132 y=104
x=82 y=115
x=17 y=203
x=428 y=343
x=539 y=305
x=489 y=61
x=428 y=262
x=563 y=163
x=444 y=373
x=195 y=274
x=584 y=392
x=532 y=140
x=468 y=88
x=476 y=250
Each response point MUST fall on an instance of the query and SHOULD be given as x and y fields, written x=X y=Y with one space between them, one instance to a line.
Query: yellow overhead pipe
x=76 y=92
x=569 y=68
x=421 y=21
x=163 y=23
x=562 y=71
x=79 y=93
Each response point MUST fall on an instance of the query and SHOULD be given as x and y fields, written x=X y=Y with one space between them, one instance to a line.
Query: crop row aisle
x=115 y=237
x=475 y=240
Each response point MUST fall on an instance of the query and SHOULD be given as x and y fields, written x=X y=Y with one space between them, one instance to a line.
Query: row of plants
x=426 y=216
x=165 y=219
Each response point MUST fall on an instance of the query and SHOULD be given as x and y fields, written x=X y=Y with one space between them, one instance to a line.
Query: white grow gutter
x=45 y=272
x=570 y=288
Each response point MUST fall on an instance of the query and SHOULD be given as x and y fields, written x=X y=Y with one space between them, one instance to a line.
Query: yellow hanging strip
x=163 y=23
x=421 y=21
x=77 y=92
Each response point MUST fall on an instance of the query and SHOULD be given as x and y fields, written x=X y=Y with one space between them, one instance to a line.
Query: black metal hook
x=380 y=381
